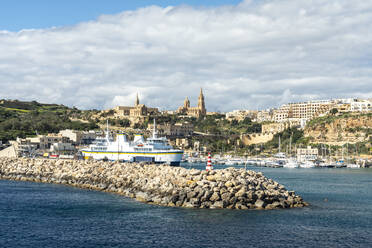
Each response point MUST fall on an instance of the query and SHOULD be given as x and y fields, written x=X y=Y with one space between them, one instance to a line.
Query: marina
x=275 y=162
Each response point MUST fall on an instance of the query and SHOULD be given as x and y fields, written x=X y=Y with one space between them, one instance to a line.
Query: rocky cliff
x=338 y=130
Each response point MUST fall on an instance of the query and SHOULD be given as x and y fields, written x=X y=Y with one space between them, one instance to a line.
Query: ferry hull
x=171 y=158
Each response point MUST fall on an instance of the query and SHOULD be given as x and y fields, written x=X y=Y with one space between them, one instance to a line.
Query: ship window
x=142 y=149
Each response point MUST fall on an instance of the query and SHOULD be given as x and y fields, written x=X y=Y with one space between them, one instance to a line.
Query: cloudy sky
x=245 y=55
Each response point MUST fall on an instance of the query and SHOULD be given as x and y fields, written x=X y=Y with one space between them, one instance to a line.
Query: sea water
x=47 y=215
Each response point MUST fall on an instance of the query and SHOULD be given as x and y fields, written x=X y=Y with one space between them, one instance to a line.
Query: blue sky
x=34 y=14
x=251 y=54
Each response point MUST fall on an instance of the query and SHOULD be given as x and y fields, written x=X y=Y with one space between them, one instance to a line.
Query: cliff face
x=338 y=130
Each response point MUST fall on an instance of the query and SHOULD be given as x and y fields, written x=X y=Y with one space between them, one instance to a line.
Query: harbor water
x=46 y=215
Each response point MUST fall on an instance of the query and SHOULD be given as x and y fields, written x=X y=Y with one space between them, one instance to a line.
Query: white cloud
x=253 y=55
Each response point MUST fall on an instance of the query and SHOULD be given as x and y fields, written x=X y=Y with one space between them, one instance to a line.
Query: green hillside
x=21 y=119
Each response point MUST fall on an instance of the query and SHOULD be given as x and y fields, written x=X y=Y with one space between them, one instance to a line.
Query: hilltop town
x=316 y=127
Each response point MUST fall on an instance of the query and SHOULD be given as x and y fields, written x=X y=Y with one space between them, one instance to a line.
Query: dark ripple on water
x=45 y=215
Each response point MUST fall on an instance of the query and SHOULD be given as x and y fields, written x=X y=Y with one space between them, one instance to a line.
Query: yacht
x=290 y=163
x=307 y=164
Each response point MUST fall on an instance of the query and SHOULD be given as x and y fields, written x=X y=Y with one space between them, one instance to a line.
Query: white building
x=79 y=137
x=306 y=154
x=360 y=106
x=62 y=147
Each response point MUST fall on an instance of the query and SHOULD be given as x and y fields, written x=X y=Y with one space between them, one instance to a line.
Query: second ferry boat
x=154 y=149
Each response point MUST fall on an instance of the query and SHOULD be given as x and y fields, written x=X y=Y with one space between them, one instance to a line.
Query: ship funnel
x=121 y=138
x=138 y=138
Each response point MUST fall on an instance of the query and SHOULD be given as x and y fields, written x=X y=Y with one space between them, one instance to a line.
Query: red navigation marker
x=209 y=163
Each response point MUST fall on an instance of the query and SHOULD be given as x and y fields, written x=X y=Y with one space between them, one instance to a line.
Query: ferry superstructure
x=154 y=149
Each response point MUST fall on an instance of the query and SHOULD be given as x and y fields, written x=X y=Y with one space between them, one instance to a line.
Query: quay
x=159 y=184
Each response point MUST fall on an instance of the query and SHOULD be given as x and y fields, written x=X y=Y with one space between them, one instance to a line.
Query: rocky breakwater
x=159 y=184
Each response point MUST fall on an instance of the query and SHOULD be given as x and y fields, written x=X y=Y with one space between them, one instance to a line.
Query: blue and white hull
x=153 y=150
x=167 y=157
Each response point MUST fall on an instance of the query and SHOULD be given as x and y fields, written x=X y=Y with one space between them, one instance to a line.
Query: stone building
x=138 y=110
x=256 y=138
x=176 y=130
x=198 y=111
x=274 y=127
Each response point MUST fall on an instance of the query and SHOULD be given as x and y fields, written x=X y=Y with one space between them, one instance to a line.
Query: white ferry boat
x=154 y=149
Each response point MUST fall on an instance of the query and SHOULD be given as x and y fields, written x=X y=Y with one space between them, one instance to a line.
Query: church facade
x=138 y=110
x=198 y=111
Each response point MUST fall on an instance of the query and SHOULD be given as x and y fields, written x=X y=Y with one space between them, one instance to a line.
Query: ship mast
x=107 y=132
x=154 y=131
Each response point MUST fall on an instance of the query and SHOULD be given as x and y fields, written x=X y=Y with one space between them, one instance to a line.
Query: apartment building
x=303 y=110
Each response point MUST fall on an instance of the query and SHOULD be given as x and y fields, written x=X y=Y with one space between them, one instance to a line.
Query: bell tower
x=136 y=103
x=186 y=103
x=201 y=104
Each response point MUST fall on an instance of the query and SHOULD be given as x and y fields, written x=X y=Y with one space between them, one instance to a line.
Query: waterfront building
x=43 y=142
x=79 y=137
x=29 y=146
x=198 y=111
x=307 y=154
x=62 y=147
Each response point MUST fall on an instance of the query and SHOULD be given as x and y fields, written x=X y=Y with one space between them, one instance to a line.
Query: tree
x=333 y=111
x=124 y=123
x=234 y=122
x=247 y=121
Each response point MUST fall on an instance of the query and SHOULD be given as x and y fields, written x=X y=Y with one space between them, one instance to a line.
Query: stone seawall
x=159 y=184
